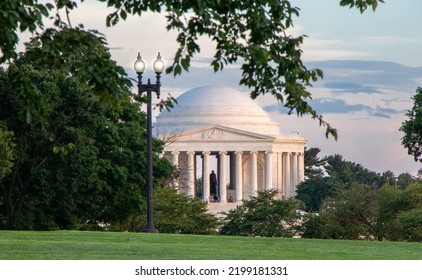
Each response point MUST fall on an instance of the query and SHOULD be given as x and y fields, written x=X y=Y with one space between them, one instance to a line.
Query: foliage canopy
x=250 y=32
x=412 y=128
x=263 y=215
x=178 y=213
x=85 y=166
x=361 y=212
x=6 y=152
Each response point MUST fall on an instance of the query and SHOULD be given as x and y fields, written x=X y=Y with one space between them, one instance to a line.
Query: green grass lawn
x=84 y=245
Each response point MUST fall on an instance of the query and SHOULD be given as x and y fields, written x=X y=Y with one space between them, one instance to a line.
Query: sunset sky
x=372 y=65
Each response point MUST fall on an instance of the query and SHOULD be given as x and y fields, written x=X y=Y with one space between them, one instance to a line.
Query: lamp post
x=158 y=66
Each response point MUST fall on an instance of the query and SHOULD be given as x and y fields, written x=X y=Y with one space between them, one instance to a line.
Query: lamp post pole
x=158 y=66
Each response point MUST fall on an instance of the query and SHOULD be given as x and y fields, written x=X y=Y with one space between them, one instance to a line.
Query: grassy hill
x=74 y=245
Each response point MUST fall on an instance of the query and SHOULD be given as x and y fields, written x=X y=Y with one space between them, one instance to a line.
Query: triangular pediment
x=221 y=133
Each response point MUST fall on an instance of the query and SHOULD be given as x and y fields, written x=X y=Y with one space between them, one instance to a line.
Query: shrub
x=264 y=215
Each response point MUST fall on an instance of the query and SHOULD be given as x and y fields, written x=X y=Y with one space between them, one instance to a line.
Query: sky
x=372 y=65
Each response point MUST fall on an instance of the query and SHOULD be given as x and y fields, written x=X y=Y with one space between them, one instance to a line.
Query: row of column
x=289 y=172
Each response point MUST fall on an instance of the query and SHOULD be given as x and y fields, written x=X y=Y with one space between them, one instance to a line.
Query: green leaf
x=123 y=14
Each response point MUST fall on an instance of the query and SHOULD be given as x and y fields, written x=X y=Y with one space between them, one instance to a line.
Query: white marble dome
x=215 y=105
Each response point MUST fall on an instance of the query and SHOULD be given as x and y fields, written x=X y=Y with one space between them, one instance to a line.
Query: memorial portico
x=221 y=129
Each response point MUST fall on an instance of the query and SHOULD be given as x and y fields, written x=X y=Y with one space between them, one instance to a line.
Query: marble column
x=206 y=175
x=280 y=166
x=268 y=170
x=222 y=182
x=191 y=174
x=254 y=173
x=295 y=164
x=239 y=182
x=175 y=161
x=300 y=171
x=301 y=167
x=232 y=172
x=288 y=174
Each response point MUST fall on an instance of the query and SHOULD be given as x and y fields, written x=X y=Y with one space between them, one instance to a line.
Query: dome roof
x=215 y=105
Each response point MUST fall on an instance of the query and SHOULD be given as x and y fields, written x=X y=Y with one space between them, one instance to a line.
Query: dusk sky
x=372 y=65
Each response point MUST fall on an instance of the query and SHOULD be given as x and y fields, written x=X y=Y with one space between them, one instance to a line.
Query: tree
x=85 y=167
x=404 y=180
x=347 y=172
x=263 y=215
x=412 y=128
x=198 y=187
x=272 y=62
x=313 y=191
x=340 y=174
x=322 y=226
x=313 y=163
x=397 y=214
x=350 y=214
x=6 y=156
x=6 y=152
x=355 y=209
x=409 y=225
x=358 y=212
x=388 y=177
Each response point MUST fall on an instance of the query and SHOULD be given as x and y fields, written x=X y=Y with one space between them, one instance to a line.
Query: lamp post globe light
x=158 y=67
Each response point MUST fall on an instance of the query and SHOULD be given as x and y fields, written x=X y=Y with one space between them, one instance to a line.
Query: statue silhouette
x=213 y=185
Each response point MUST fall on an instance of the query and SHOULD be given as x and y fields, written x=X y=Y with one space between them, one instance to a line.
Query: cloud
x=379 y=74
x=371 y=141
x=337 y=106
x=387 y=79
x=198 y=76
x=327 y=106
x=380 y=89
x=350 y=87
x=392 y=40
x=328 y=54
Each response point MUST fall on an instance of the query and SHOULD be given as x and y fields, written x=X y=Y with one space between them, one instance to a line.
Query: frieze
x=213 y=134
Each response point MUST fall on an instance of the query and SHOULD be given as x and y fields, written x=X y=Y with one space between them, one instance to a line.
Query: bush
x=264 y=215
x=28 y=220
x=409 y=225
x=19 y=221
x=178 y=213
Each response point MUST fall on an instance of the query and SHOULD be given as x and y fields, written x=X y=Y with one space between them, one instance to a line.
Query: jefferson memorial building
x=219 y=130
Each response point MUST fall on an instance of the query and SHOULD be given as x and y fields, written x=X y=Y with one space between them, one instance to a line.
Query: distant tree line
x=338 y=200
x=349 y=201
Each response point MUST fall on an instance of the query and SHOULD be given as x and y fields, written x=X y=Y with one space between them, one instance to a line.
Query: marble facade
x=223 y=126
